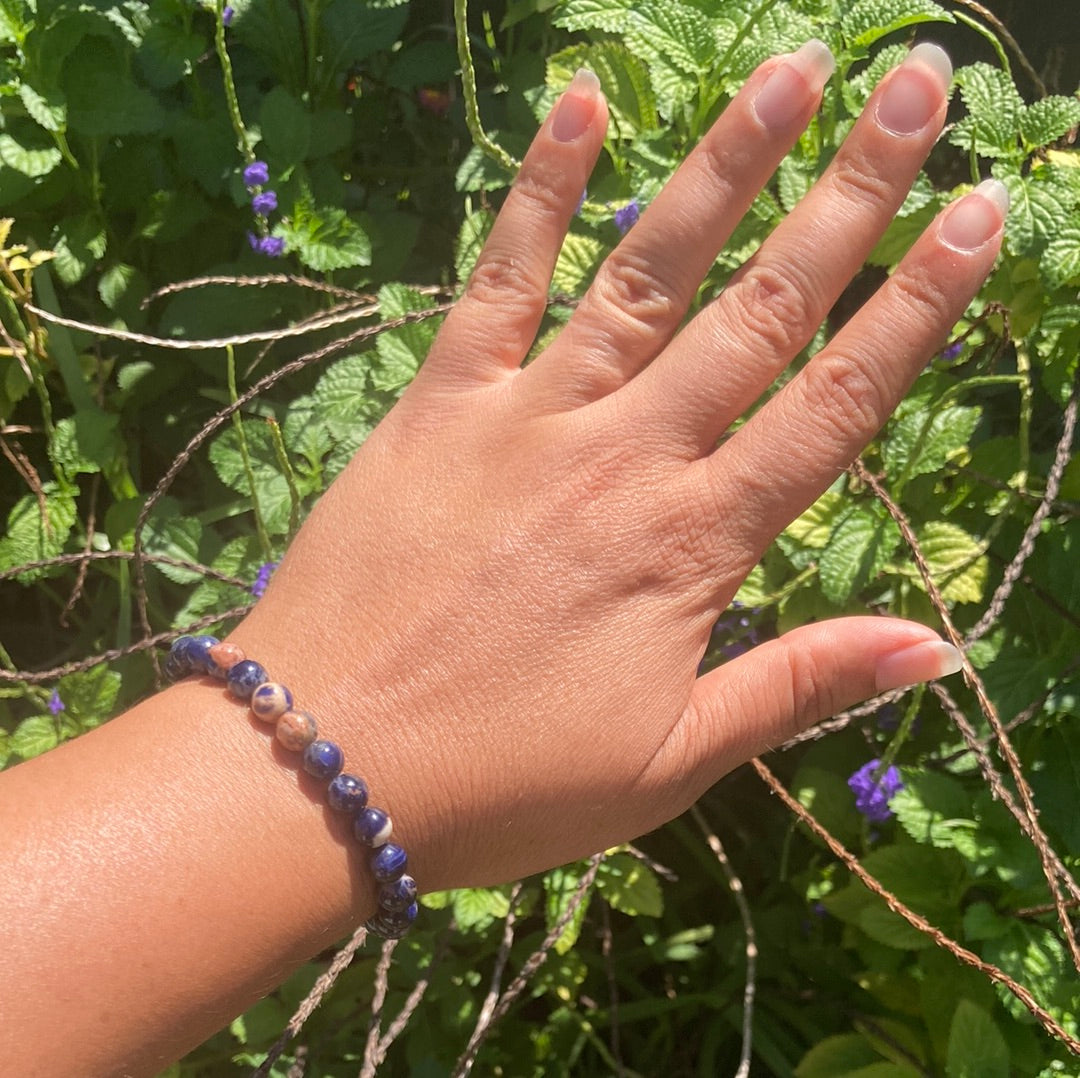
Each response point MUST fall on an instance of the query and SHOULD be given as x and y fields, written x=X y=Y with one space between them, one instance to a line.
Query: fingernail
x=921 y=662
x=977 y=217
x=795 y=79
x=576 y=106
x=914 y=92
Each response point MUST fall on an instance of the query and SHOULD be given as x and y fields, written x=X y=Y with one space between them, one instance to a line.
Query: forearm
x=164 y=872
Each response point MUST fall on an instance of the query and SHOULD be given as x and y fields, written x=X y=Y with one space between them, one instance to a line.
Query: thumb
x=762 y=698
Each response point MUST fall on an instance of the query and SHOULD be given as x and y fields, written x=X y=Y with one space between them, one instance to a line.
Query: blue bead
x=270 y=701
x=245 y=677
x=323 y=759
x=198 y=652
x=392 y=925
x=347 y=793
x=176 y=668
x=389 y=863
x=372 y=827
x=398 y=895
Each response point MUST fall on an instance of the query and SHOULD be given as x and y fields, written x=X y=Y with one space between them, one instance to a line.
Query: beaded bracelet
x=324 y=760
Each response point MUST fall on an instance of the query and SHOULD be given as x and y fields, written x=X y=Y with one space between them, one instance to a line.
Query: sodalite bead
x=373 y=827
x=197 y=650
x=398 y=895
x=176 y=668
x=347 y=793
x=245 y=677
x=270 y=701
x=296 y=730
x=323 y=759
x=389 y=863
x=392 y=925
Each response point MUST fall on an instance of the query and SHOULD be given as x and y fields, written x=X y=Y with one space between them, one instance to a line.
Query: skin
x=499 y=608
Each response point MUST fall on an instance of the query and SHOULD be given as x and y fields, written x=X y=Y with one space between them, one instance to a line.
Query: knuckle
x=631 y=291
x=810 y=686
x=839 y=392
x=922 y=297
x=505 y=282
x=856 y=181
x=775 y=309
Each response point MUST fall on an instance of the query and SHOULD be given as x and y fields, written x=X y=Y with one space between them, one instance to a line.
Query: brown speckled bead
x=226 y=655
x=296 y=730
x=270 y=701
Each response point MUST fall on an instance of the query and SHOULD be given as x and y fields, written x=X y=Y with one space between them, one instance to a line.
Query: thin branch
x=378 y=1000
x=737 y=892
x=1003 y=32
x=998 y=976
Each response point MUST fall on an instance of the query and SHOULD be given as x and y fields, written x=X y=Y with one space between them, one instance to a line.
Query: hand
x=500 y=607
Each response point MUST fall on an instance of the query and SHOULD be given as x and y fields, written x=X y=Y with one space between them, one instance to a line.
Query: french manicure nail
x=576 y=106
x=920 y=662
x=914 y=90
x=976 y=217
x=795 y=79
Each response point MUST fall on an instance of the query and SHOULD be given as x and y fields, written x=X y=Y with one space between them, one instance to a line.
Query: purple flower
x=271 y=246
x=55 y=704
x=226 y=16
x=581 y=201
x=253 y=241
x=256 y=173
x=265 y=202
x=627 y=217
x=872 y=791
x=262 y=578
x=951 y=351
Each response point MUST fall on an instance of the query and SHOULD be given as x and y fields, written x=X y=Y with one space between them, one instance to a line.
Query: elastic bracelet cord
x=324 y=760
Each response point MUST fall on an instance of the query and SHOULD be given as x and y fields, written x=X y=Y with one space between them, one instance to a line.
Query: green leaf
x=85 y=442
x=931 y=807
x=325 y=239
x=102 y=99
x=578 y=261
x=171 y=534
x=168 y=53
x=344 y=398
x=35 y=536
x=609 y=15
x=956 y=562
x=402 y=350
x=1060 y=262
x=827 y=796
x=560 y=884
x=994 y=109
x=304 y=431
x=475 y=230
x=858 y=550
x=919 y=443
x=1040 y=206
x=976 y=1046
x=31 y=161
x=630 y=886
x=813 y=527
x=672 y=31
x=34 y=736
x=47 y=110
x=78 y=243
x=286 y=127
x=982 y=922
x=91 y=694
x=1049 y=119
x=477 y=908
x=866 y=21
x=837 y=1055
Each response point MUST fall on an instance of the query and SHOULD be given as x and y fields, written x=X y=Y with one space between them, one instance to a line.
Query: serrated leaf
x=32 y=536
x=859 y=548
x=85 y=442
x=836 y=1056
x=48 y=111
x=813 y=527
x=560 y=885
x=78 y=243
x=1040 y=206
x=344 y=397
x=857 y=88
x=475 y=230
x=1060 y=262
x=956 y=562
x=476 y=908
x=402 y=350
x=102 y=101
x=91 y=694
x=931 y=807
x=30 y=161
x=609 y=15
x=239 y=557
x=866 y=21
x=175 y=536
x=630 y=886
x=168 y=53
x=325 y=238
x=1048 y=119
x=976 y=1046
x=34 y=736
x=624 y=79
x=919 y=443
x=304 y=431
x=578 y=261
x=994 y=110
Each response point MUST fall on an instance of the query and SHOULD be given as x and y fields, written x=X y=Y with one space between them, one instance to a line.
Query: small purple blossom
x=55 y=704
x=872 y=791
x=265 y=202
x=951 y=351
x=262 y=578
x=627 y=216
x=256 y=173
x=271 y=246
x=226 y=16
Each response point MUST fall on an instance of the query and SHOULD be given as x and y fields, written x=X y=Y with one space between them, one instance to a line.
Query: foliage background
x=147 y=481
